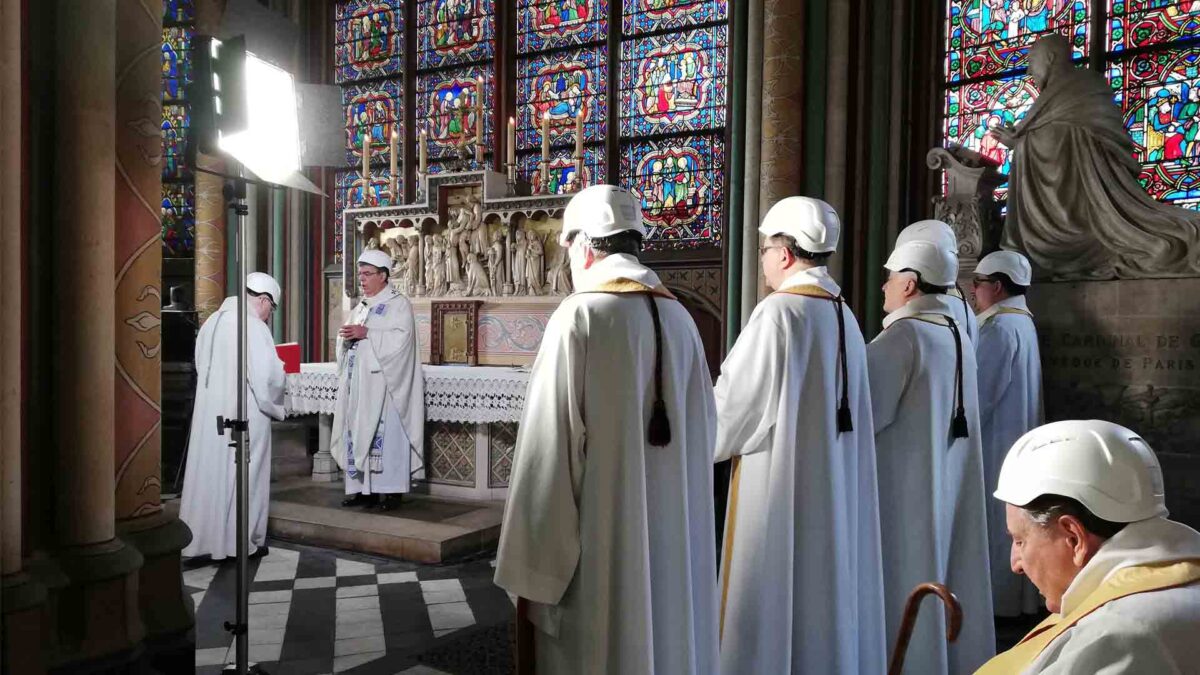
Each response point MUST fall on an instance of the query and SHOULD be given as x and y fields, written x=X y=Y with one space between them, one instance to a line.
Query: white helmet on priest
x=811 y=222
x=937 y=266
x=1107 y=468
x=935 y=231
x=1009 y=263
x=601 y=211
x=375 y=258
x=260 y=282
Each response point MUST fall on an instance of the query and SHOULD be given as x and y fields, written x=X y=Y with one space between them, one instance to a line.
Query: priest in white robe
x=1010 y=403
x=209 y=504
x=802 y=524
x=927 y=441
x=942 y=236
x=1088 y=516
x=608 y=528
x=379 y=421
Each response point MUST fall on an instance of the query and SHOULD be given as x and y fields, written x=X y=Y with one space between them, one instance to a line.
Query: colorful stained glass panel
x=448 y=106
x=1159 y=94
x=175 y=123
x=350 y=191
x=973 y=109
x=991 y=37
x=549 y=24
x=178 y=11
x=679 y=182
x=176 y=62
x=1133 y=24
x=560 y=85
x=646 y=16
x=673 y=82
x=372 y=110
x=562 y=170
x=178 y=219
x=368 y=39
x=454 y=32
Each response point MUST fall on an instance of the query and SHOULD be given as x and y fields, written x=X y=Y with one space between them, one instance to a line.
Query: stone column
x=210 y=203
x=21 y=599
x=97 y=615
x=141 y=521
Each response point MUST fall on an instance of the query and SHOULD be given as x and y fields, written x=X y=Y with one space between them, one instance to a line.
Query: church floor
x=315 y=610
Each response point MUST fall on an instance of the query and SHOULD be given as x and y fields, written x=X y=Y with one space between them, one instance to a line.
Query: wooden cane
x=911 y=607
x=525 y=656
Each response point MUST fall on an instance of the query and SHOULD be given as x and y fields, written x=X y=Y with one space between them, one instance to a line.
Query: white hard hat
x=1009 y=263
x=375 y=257
x=601 y=211
x=937 y=265
x=260 y=282
x=1104 y=466
x=930 y=230
x=811 y=222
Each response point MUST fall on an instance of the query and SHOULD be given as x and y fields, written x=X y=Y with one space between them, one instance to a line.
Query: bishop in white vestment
x=209 y=505
x=1010 y=403
x=608 y=528
x=927 y=439
x=801 y=574
x=942 y=235
x=379 y=422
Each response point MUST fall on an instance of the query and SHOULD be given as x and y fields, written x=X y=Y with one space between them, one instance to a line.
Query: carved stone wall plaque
x=1129 y=352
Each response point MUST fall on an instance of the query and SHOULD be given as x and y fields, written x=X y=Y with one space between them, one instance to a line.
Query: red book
x=289 y=353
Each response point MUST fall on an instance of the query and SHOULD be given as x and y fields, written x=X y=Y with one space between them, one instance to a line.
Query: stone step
x=424 y=529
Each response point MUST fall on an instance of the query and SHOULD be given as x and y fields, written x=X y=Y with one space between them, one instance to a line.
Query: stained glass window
x=1143 y=23
x=985 y=38
x=350 y=191
x=975 y=108
x=560 y=85
x=454 y=32
x=368 y=39
x=178 y=209
x=562 y=169
x=645 y=16
x=372 y=111
x=673 y=82
x=547 y=24
x=448 y=106
x=679 y=183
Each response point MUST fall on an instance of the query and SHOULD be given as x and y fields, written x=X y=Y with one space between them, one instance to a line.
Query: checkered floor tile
x=316 y=611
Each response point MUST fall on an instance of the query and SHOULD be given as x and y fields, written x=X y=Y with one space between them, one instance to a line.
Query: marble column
x=22 y=600
x=141 y=521
x=210 y=202
x=751 y=216
x=97 y=617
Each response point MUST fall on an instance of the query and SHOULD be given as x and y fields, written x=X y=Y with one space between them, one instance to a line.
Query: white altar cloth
x=478 y=394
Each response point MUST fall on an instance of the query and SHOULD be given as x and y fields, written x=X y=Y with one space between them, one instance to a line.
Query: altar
x=471 y=416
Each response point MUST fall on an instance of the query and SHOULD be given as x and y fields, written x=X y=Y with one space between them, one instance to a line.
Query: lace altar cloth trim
x=452 y=393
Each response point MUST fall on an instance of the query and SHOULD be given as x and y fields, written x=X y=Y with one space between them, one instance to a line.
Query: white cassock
x=931 y=499
x=801 y=575
x=1010 y=404
x=379 y=421
x=609 y=537
x=964 y=314
x=208 y=505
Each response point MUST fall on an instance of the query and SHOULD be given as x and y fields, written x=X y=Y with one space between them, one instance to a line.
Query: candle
x=366 y=167
x=423 y=151
x=512 y=141
x=394 y=161
x=546 y=137
x=579 y=133
x=479 y=114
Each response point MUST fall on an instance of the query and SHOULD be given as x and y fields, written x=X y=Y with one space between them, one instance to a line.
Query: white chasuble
x=801 y=575
x=609 y=537
x=378 y=430
x=931 y=498
x=1010 y=404
x=209 y=505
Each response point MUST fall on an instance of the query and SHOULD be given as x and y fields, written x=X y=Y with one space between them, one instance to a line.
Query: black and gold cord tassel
x=958 y=427
x=659 y=431
x=844 y=420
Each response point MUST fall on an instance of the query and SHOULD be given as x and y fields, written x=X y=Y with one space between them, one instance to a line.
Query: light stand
x=240 y=431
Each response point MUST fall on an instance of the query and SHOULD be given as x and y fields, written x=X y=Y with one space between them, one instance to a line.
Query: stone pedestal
x=167 y=613
x=325 y=469
x=1129 y=352
x=96 y=616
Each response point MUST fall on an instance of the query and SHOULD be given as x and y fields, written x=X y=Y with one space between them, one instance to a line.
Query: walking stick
x=525 y=656
x=911 y=607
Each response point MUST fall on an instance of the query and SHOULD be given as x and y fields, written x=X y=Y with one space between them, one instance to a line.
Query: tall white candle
x=512 y=141
x=394 y=162
x=366 y=167
x=546 y=137
x=579 y=133
x=479 y=113
x=423 y=151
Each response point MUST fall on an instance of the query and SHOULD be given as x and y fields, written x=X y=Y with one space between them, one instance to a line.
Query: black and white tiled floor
x=315 y=611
